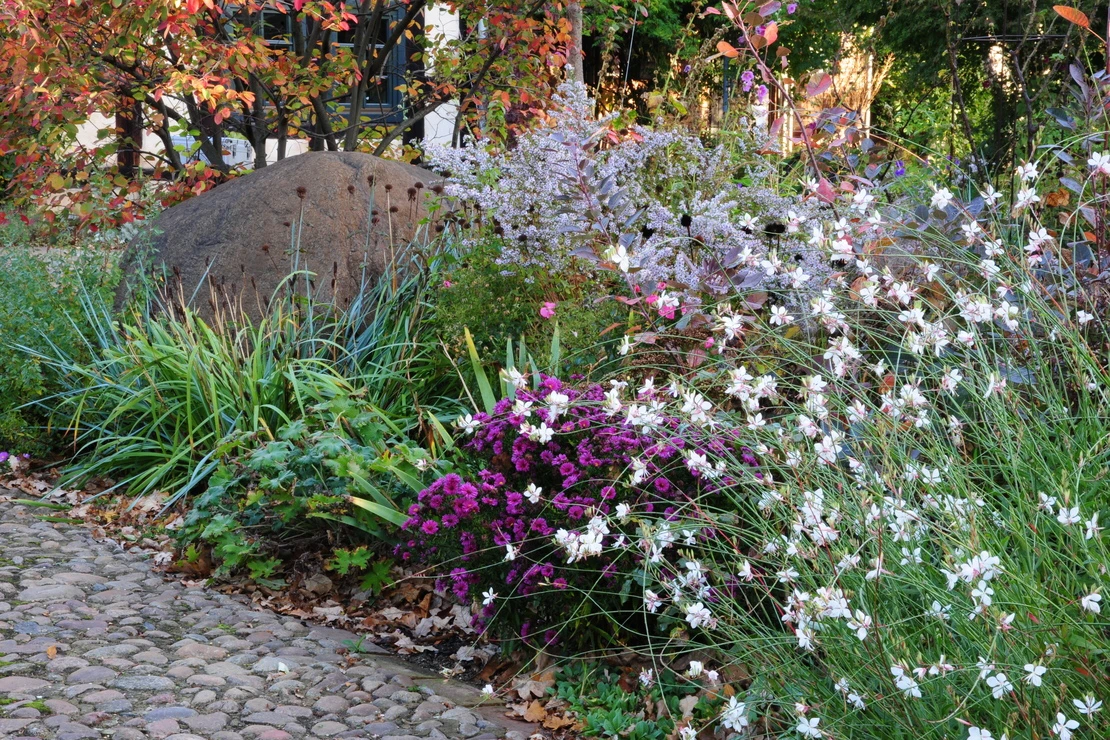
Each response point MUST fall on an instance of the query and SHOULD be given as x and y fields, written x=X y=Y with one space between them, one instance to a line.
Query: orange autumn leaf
x=727 y=49
x=1072 y=15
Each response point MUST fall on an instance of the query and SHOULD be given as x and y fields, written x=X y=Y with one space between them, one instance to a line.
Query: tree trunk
x=129 y=133
x=574 y=48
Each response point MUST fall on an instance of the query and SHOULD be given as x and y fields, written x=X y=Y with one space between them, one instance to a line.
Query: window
x=383 y=102
x=276 y=28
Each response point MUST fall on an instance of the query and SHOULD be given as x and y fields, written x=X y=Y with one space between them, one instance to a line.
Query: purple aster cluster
x=499 y=530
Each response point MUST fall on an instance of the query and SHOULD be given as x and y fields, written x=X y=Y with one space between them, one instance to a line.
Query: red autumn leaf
x=825 y=191
x=819 y=84
x=1072 y=15
x=771 y=32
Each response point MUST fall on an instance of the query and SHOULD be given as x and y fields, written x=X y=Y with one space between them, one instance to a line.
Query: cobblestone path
x=94 y=644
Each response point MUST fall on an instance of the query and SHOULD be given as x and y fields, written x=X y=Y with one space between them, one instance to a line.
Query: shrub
x=498 y=305
x=657 y=204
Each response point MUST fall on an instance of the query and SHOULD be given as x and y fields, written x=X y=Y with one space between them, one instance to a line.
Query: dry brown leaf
x=52 y=652
x=557 y=722
x=535 y=685
x=535 y=712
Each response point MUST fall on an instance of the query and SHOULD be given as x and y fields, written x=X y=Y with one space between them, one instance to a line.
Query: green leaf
x=382 y=512
x=484 y=387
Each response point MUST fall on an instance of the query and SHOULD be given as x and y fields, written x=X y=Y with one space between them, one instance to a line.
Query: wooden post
x=574 y=48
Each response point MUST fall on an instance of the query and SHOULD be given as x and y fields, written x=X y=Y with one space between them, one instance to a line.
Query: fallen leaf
x=557 y=722
x=535 y=712
x=535 y=685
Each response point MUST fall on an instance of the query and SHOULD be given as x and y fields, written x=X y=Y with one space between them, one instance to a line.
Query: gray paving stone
x=115 y=651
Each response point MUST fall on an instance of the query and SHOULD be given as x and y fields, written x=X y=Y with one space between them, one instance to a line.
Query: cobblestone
x=94 y=644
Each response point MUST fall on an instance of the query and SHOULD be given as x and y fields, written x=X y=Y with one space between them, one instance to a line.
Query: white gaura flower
x=515 y=378
x=860 y=624
x=542 y=434
x=557 y=403
x=1099 y=162
x=487 y=690
x=951 y=379
x=468 y=424
x=694 y=669
x=698 y=615
x=732 y=325
x=990 y=195
x=807 y=727
x=651 y=601
x=647 y=677
x=734 y=715
x=488 y=597
x=510 y=552
x=625 y=346
x=999 y=685
x=1090 y=602
x=532 y=493
x=827 y=450
x=1067 y=516
x=905 y=682
x=697 y=406
x=746 y=571
x=1034 y=674
x=939 y=612
x=687 y=733
x=1092 y=527
x=1088 y=705
x=1064 y=726
x=1083 y=317
x=1025 y=198
x=1027 y=171
x=620 y=257
x=995 y=384
x=941 y=199
x=978 y=733
x=623 y=510
x=780 y=316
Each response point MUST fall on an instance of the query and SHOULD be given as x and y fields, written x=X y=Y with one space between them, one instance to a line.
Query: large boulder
x=344 y=216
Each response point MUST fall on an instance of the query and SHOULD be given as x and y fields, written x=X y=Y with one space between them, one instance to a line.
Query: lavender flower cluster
x=540 y=522
x=694 y=213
